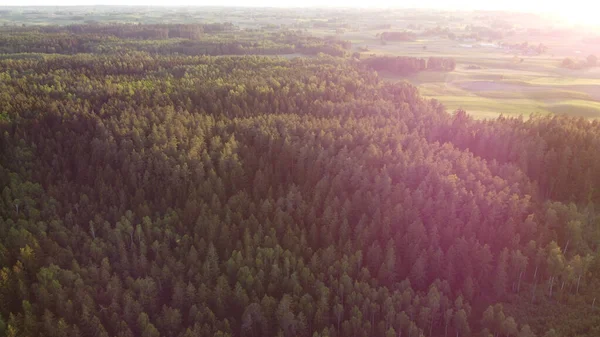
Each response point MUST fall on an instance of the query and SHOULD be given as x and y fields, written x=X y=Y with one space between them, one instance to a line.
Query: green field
x=503 y=84
x=493 y=91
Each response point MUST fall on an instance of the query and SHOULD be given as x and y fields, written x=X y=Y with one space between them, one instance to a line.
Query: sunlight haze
x=578 y=11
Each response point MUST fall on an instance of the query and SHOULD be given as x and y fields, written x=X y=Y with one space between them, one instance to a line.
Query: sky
x=525 y=5
x=583 y=11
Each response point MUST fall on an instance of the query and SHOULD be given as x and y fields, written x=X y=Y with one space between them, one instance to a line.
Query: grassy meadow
x=490 y=81
x=501 y=86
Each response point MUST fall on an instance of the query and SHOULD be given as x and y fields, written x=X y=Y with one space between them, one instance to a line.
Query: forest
x=186 y=39
x=406 y=65
x=177 y=180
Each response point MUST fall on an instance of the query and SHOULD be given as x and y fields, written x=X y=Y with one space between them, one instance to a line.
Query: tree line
x=187 y=39
x=406 y=65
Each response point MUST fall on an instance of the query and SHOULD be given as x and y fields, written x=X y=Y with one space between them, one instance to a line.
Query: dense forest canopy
x=398 y=36
x=188 y=39
x=154 y=184
x=406 y=65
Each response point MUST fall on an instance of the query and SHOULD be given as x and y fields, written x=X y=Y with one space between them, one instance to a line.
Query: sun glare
x=580 y=16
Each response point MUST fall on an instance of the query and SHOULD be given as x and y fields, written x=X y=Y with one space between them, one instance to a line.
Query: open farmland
x=490 y=79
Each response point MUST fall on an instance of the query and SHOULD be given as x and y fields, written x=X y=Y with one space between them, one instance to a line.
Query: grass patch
x=560 y=81
x=580 y=108
x=481 y=107
x=539 y=95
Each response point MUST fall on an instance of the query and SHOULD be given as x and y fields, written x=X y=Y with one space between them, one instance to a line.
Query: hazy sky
x=575 y=10
x=456 y=4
